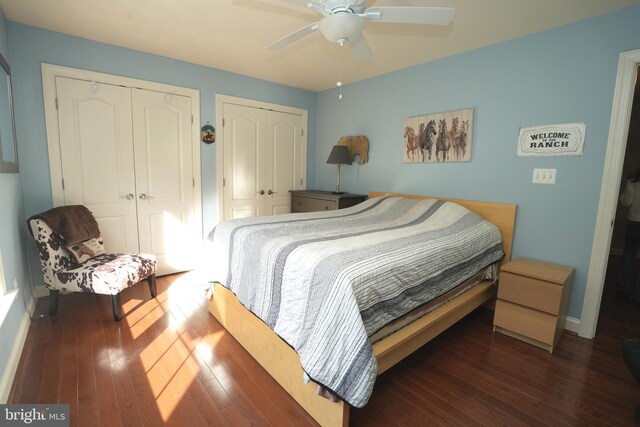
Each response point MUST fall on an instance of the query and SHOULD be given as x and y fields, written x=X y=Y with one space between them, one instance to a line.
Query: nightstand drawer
x=534 y=293
x=525 y=321
x=308 y=204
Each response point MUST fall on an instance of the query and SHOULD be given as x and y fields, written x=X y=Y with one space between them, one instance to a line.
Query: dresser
x=532 y=301
x=317 y=200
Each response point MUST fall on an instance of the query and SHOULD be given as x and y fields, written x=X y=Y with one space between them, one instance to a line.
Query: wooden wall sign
x=552 y=140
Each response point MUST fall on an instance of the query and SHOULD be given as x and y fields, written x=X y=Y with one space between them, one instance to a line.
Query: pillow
x=86 y=250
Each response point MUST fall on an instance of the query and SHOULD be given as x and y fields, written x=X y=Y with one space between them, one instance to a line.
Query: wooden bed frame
x=282 y=362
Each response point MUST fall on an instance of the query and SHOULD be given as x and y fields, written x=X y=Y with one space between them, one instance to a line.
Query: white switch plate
x=544 y=176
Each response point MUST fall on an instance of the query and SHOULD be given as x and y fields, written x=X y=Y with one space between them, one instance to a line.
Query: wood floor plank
x=108 y=410
x=145 y=400
x=210 y=414
x=128 y=411
x=35 y=363
x=68 y=390
x=88 y=410
x=241 y=401
x=217 y=393
x=234 y=418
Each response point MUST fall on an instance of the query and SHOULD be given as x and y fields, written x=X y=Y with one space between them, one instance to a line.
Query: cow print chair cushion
x=103 y=274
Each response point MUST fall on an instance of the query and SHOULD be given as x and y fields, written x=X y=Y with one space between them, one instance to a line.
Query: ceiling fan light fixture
x=342 y=26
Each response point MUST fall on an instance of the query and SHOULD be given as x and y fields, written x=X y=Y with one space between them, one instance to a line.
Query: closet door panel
x=244 y=151
x=96 y=147
x=283 y=146
x=164 y=178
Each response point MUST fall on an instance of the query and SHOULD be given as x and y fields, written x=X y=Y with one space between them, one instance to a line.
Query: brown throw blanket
x=74 y=223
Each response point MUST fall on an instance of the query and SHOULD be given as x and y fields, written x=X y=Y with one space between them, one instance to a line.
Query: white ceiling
x=231 y=34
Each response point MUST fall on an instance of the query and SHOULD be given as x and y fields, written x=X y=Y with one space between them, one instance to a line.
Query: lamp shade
x=339 y=156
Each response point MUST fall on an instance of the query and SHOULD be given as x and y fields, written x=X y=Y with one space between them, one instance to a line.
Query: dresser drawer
x=531 y=292
x=309 y=204
x=525 y=321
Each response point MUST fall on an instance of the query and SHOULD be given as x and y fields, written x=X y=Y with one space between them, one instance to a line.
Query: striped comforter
x=326 y=281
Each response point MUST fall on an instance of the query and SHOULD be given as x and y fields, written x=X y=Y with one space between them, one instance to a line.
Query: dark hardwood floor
x=170 y=363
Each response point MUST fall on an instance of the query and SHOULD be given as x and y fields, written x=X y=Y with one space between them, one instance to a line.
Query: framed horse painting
x=438 y=138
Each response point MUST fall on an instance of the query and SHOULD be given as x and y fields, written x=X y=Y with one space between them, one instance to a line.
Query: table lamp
x=339 y=156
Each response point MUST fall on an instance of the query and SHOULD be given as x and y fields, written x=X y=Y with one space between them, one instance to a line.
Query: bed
x=277 y=355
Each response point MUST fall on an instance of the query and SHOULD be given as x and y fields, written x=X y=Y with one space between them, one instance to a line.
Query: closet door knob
x=261 y=192
x=128 y=197
x=271 y=192
x=143 y=196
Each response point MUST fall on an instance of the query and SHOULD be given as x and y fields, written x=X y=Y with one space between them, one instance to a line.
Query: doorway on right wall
x=616 y=308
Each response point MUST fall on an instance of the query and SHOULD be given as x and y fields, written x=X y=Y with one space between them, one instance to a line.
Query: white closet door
x=96 y=148
x=164 y=179
x=244 y=153
x=283 y=160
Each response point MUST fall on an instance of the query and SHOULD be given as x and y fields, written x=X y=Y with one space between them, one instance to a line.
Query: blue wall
x=12 y=227
x=564 y=75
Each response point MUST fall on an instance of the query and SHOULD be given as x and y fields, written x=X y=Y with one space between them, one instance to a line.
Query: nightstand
x=316 y=200
x=532 y=301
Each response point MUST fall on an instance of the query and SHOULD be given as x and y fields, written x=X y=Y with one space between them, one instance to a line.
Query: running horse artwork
x=451 y=139
x=453 y=136
x=426 y=134
x=411 y=143
x=461 y=142
x=442 y=143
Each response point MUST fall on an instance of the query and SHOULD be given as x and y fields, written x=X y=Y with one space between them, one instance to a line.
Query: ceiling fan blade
x=361 y=50
x=410 y=15
x=308 y=4
x=293 y=37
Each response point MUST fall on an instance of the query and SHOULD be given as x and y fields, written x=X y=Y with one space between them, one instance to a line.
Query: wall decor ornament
x=208 y=134
x=552 y=140
x=438 y=138
x=358 y=146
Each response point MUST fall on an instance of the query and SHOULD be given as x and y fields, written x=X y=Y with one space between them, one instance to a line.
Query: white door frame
x=614 y=160
x=222 y=99
x=49 y=74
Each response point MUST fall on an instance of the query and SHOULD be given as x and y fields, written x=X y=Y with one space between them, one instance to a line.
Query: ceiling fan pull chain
x=339 y=83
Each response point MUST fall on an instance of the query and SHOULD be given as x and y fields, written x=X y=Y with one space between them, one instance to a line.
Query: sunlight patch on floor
x=168 y=359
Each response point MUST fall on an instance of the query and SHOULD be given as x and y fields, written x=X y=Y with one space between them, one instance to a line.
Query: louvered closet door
x=96 y=144
x=164 y=178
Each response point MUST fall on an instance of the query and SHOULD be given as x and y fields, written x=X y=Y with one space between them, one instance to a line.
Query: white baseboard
x=16 y=351
x=40 y=291
x=572 y=324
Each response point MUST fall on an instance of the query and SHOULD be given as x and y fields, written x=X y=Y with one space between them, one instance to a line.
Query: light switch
x=544 y=176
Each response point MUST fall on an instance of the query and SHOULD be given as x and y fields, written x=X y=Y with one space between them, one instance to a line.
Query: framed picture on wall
x=8 y=147
x=439 y=138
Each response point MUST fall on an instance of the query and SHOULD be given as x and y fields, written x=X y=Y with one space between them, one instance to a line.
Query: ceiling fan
x=344 y=21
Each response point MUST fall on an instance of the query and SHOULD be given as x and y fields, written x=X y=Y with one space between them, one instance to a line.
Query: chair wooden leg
x=115 y=305
x=54 y=296
x=152 y=285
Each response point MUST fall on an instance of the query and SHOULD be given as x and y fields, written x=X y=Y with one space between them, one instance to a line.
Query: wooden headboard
x=503 y=215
